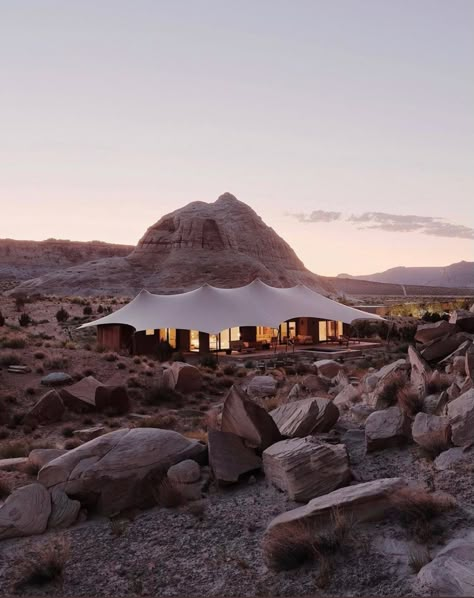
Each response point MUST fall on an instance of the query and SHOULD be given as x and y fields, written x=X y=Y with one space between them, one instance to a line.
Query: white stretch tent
x=210 y=309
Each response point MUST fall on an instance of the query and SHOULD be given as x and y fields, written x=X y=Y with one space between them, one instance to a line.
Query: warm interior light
x=150 y=332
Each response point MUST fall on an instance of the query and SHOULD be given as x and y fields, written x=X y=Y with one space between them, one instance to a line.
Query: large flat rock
x=306 y=467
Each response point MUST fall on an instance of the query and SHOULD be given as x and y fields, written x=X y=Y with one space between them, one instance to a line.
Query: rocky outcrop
x=451 y=572
x=186 y=478
x=224 y=243
x=296 y=419
x=182 y=377
x=431 y=432
x=461 y=418
x=262 y=386
x=25 y=512
x=420 y=371
x=328 y=367
x=119 y=469
x=229 y=458
x=386 y=428
x=64 y=511
x=306 y=467
x=249 y=421
x=49 y=409
x=361 y=502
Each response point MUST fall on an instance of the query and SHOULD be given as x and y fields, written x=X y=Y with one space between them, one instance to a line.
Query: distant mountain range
x=457 y=275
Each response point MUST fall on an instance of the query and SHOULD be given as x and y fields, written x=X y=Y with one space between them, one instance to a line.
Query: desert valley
x=336 y=460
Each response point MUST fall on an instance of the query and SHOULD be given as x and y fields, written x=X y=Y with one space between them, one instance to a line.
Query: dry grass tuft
x=418 y=557
x=198 y=434
x=289 y=547
x=409 y=401
x=165 y=421
x=389 y=393
x=437 y=383
x=17 y=448
x=118 y=527
x=44 y=565
x=417 y=511
x=167 y=495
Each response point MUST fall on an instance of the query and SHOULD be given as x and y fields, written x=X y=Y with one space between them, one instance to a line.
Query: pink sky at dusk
x=114 y=114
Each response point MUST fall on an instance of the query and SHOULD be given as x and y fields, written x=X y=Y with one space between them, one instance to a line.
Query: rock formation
x=224 y=243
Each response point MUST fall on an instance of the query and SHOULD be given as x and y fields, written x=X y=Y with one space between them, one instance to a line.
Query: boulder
x=249 y=421
x=463 y=320
x=443 y=347
x=435 y=404
x=296 y=419
x=347 y=397
x=386 y=428
x=314 y=383
x=113 y=399
x=296 y=392
x=262 y=386
x=426 y=333
x=120 y=469
x=80 y=397
x=384 y=376
x=47 y=410
x=451 y=572
x=450 y=458
x=328 y=367
x=13 y=463
x=186 y=478
x=229 y=458
x=431 y=432
x=360 y=413
x=87 y=434
x=420 y=371
x=469 y=364
x=327 y=416
x=360 y=502
x=461 y=418
x=64 y=511
x=306 y=467
x=56 y=379
x=25 y=512
x=461 y=350
x=182 y=377
x=39 y=457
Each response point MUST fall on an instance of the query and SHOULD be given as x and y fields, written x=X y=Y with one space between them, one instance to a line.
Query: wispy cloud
x=407 y=223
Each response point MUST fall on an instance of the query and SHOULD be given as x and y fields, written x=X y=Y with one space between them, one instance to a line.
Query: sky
x=347 y=125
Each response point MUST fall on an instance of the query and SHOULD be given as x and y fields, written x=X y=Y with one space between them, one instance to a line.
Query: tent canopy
x=210 y=309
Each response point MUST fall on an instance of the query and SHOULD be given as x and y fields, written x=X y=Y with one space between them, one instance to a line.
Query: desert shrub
x=69 y=445
x=157 y=395
x=137 y=360
x=229 y=369
x=30 y=390
x=166 y=421
x=7 y=359
x=167 y=495
x=5 y=489
x=164 y=350
x=56 y=363
x=67 y=431
x=111 y=356
x=178 y=356
x=42 y=565
x=15 y=342
x=4 y=433
x=39 y=370
x=290 y=370
x=14 y=448
x=62 y=315
x=302 y=368
x=389 y=393
x=135 y=382
x=437 y=383
x=39 y=355
x=224 y=382
x=418 y=557
x=87 y=311
x=209 y=361
x=121 y=365
x=241 y=373
x=409 y=401
x=88 y=372
x=118 y=527
x=24 y=320
x=20 y=301
x=249 y=364
x=287 y=548
x=416 y=509
x=2 y=319
x=100 y=309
